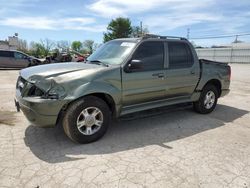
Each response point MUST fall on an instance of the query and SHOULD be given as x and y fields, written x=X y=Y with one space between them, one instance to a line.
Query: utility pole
x=236 y=39
x=188 y=32
x=141 y=28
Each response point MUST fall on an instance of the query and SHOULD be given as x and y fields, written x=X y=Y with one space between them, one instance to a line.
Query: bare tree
x=48 y=45
x=63 y=45
x=90 y=46
x=22 y=45
x=42 y=48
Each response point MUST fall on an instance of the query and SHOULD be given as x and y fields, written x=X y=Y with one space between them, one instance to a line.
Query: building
x=10 y=44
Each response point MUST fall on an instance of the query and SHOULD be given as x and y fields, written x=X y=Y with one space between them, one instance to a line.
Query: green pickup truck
x=123 y=76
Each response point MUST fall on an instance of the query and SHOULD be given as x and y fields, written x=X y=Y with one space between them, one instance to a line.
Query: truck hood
x=57 y=69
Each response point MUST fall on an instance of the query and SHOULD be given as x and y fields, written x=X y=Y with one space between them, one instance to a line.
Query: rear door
x=6 y=59
x=183 y=69
x=148 y=83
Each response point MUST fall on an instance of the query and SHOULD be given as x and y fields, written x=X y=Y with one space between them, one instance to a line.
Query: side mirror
x=134 y=65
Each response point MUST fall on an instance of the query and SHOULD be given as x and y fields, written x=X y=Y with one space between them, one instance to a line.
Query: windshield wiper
x=98 y=62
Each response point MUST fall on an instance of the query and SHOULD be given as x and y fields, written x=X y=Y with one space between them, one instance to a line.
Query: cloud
x=159 y=15
x=12 y=3
x=74 y=23
x=203 y=17
x=114 y=8
x=167 y=15
x=169 y=22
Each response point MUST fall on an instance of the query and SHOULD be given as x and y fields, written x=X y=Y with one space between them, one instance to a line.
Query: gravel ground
x=170 y=148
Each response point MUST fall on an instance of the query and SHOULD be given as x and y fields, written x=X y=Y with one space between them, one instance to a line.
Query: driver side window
x=151 y=55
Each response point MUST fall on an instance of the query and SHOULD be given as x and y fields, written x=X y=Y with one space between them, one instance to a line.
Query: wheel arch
x=216 y=83
x=107 y=98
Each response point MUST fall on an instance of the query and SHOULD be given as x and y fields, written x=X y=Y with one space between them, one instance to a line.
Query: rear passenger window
x=180 y=55
x=151 y=54
x=6 y=54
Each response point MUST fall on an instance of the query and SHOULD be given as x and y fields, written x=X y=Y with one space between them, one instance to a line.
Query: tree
x=42 y=48
x=63 y=45
x=90 y=46
x=36 y=49
x=138 y=32
x=46 y=46
x=76 y=45
x=22 y=45
x=118 y=28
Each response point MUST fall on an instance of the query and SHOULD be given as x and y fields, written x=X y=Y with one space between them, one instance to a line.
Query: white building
x=10 y=44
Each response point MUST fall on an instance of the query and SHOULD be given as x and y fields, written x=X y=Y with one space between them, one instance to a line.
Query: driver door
x=146 y=83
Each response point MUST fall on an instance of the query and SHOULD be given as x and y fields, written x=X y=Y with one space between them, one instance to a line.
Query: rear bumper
x=40 y=112
x=224 y=92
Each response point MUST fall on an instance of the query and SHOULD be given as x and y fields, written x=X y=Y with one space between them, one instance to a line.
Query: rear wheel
x=207 y=101
x=86 y=120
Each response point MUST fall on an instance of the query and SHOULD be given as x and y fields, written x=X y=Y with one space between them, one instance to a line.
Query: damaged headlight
x=44 y=88
x=55 y=92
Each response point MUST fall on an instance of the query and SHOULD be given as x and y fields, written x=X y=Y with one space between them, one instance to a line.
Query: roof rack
x=148 y=36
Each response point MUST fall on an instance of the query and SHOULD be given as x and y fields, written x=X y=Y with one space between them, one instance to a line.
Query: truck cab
x=160 y=69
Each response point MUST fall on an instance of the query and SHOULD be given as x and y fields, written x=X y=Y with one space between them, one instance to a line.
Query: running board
x=154 y=104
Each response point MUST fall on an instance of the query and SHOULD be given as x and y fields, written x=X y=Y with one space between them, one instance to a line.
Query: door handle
x=159 y=75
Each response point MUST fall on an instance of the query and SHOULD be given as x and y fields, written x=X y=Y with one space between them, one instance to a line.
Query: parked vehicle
x=77 y=57
x=16 y=59
x=68 y=56
x=58 y=57
x=123 y=76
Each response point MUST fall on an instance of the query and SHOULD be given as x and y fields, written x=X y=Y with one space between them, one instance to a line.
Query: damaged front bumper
x=39 y=111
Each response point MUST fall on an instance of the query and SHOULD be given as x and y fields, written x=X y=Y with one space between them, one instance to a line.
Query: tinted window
x=18 y=55
x=151 y=55
x=6 y=54
x=180 y=55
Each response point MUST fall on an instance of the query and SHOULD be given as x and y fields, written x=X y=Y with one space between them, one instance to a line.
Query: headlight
x=35 y=92
x=47 y=89
x=56 y=92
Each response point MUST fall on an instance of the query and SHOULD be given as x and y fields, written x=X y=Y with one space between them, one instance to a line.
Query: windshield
x=113 y=52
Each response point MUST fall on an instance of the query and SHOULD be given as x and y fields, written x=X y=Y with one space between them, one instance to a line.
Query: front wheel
x=207 y=101
x=86 y=120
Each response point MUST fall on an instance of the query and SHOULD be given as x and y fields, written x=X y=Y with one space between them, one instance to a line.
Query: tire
x=204 y=107
x=81 y=124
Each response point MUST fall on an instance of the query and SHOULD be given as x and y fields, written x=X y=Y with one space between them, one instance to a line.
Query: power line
x=220 y=36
